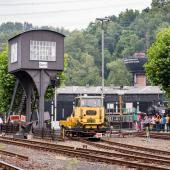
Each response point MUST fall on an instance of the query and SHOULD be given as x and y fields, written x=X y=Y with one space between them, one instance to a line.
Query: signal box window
x=42 y=50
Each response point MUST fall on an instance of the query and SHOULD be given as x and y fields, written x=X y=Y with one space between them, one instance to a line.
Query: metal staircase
x=22 y=103
x=18 y=100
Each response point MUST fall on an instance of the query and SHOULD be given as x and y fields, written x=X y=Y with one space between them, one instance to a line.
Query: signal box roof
x=34 y=31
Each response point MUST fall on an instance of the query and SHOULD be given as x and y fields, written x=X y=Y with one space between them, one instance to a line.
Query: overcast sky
x=70 y=14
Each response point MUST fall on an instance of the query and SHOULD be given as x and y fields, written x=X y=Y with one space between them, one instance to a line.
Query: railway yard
x=45 y=125
x=128 y=151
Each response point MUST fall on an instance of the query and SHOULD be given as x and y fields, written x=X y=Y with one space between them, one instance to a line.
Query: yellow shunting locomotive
x=87 y=118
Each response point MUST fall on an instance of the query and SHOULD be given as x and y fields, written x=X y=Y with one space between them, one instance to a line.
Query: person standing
x=157 y=121
x=1 y=122
x=163 y=122
x=167 y=124
x=135 y=120
x=152 y=127
x=139 y=122
x=147 y=122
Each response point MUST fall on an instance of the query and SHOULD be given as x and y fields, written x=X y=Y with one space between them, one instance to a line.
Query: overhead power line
x=49 y=3
x=37 y=3
x=41 y=3
x=64 y=10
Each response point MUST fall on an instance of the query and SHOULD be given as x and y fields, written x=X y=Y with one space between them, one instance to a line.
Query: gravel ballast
x=40 y=160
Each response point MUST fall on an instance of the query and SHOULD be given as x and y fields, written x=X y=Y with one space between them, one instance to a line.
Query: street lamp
x=102 y=20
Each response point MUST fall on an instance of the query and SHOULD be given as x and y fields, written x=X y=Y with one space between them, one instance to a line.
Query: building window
x=42 y=50
x=14 y=53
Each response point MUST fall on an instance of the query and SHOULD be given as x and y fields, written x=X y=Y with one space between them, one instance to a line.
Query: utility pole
x=55 y=104
x=57 y=82
x=102 y=20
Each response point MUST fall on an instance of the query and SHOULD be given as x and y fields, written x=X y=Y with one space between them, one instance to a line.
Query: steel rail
x=22 y=157
x=136 y=147
x=160 y=133
x=164 y=160
x=157 y=136
x=86 y=155
x=89 y=156
x=36 y=142
x=7 y=166
x=126 y=151
x=127 y=156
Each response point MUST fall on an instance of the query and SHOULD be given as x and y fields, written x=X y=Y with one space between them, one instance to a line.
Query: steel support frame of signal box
x=28 y=72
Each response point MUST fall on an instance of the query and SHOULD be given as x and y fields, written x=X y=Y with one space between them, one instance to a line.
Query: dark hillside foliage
x=132 y=31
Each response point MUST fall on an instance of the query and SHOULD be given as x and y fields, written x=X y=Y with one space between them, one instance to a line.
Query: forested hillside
x=126 y=34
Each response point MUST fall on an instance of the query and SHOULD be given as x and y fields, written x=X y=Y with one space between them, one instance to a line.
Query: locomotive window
x=91 y=102
x=91 y=112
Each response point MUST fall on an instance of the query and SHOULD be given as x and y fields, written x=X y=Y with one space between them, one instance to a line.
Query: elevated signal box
x=35 y=57
x=36 y=49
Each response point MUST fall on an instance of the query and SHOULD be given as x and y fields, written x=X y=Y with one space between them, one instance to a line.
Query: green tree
x=128 y=44
x=127 y=17
x=158 y=65
x=7 y=82
x=158 y=3
x=118 y=74
x=62 y=76
x=130 y=32
x=74 y=44
x=83 y=72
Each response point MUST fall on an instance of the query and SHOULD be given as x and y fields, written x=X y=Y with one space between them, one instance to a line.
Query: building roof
x=35 y=30
x=109 y=90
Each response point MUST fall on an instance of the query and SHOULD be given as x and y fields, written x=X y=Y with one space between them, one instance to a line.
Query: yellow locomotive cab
x=88 y=113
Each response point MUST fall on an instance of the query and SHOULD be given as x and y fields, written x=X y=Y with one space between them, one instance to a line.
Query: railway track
x=12 y=154
x=156 y=135
x=149 y=153
x=140 y=148
x=93 y=155
x=7 y=166
x=129 y=152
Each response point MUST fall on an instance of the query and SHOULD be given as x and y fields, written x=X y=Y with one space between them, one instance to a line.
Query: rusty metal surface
x=127 y=151
x=157 y=151
x=157 y=135
x=6 y=166
x=12 y=154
